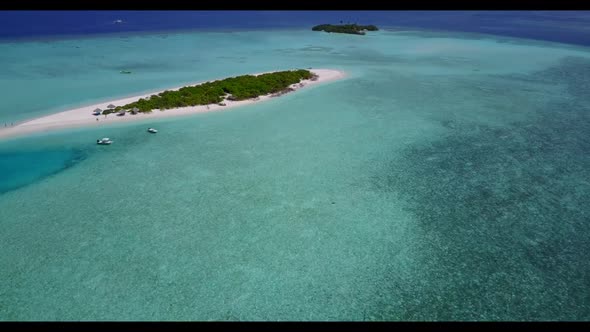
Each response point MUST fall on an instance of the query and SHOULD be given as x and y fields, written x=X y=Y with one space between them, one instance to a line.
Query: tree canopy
x=233 y=88
x=345 y=28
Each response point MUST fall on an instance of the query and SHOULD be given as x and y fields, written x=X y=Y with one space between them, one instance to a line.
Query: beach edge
x=82 y=117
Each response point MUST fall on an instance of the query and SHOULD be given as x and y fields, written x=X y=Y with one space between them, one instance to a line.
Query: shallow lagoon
x=445 y=179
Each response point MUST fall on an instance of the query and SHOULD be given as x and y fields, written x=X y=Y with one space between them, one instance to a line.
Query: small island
x=190 y=99
x=345 y=28
x=216 y=92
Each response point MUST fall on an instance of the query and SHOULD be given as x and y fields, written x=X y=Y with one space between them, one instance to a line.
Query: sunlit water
x=446 y=178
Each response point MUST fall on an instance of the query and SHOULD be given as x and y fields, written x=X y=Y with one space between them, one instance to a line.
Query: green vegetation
x=233 y=88
x=345 y=28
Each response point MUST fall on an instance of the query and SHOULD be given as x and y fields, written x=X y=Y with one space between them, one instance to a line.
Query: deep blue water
x=557 y=26
x=20 y=168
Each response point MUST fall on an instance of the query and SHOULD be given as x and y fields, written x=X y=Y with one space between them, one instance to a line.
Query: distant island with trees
x=345 y=28
x=233 y=88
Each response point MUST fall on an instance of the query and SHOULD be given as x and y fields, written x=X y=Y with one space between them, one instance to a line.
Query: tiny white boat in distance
x=152 y=130
x=104 y=141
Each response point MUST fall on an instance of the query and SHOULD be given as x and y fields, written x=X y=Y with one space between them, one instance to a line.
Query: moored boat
x=104 y=141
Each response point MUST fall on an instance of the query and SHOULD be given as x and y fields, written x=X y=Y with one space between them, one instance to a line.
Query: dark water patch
x=346 y=55
x=575 y=73
x=40 y=72
x=137 y=65
x=503 y=212
x=323 y=49
x=285 y=50
x=19 y=169
x=238 y=59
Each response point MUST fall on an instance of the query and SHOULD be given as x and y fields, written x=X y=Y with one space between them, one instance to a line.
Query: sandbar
x=82 y=116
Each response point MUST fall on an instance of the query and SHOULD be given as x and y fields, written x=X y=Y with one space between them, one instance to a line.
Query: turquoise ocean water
x=446 y=178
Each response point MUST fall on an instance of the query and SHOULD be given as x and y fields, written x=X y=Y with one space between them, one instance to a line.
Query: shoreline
x=82 y=116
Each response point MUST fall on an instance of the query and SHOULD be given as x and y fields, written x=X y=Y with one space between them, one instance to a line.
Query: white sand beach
x=83 y=117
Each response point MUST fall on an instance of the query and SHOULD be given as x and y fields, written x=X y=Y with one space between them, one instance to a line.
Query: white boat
x=152 y=130
x=104 y=141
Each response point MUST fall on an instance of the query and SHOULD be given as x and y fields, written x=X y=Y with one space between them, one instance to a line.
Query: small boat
x=118 y=21
x=125 y=72
x=221 y=104
x=104 y=141
x=152 y=130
